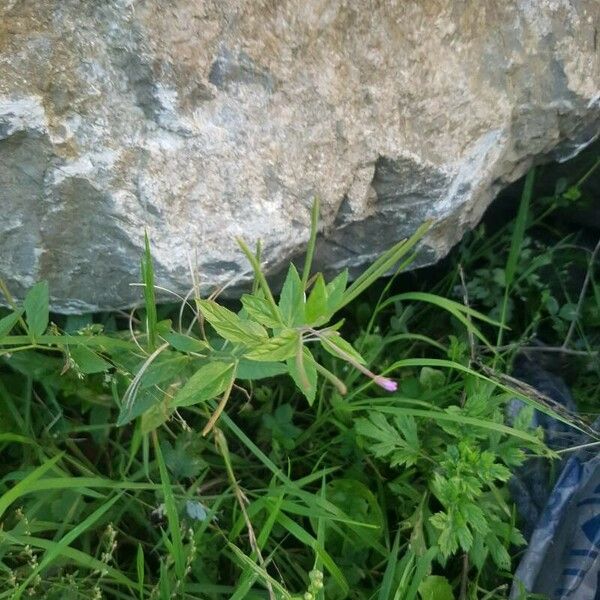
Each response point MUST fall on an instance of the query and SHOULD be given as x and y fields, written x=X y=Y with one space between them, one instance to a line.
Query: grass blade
x=139 y=566
x=25 y=486
x=303 y=536
x=383 y=264
x=171 y=508
x=385 y=591
x=516 y=245
x=149 y=294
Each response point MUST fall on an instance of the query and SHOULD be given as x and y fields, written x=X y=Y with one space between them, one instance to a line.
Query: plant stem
x=310 y=249
x=582 y=294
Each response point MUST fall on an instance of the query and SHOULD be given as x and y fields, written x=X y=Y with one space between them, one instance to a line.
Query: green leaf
x=229 y=325
x=421 y=571
x=520 y=228
x=550 y=302
x=399 y=443
x=568 y=312
x=309 y=541
x=359 y=503
x=139 y=567
x=524 y=417
x=458 y=311
x=164 y=326
x=335 y=291
x=259 y=276
x=88 y=361
x=281 y=425
x=182 y=460
x=432 y=379
x=8 y=322
x=498 y=552
x=573 y=193
x=176 y=545
x=36 y=306
x=383 y=264
x=253 y=370
x=206 y=383
x=316 y=305
x=157 y=414
x=291 y=300
x=260 y=310
x=277 y=348
x=385 y=590
x=185 y=343
x=303 y=370
x=435 y=587
x=145 y=401
x=16 y=491
x=165 y=369
x=334 y=343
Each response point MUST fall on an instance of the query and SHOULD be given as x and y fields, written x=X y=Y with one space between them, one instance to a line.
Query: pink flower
x=387 y=384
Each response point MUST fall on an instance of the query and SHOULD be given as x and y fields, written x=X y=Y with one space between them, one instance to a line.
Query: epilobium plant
x=264 y=338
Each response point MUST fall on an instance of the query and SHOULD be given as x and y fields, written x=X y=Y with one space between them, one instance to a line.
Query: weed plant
x=339 y=440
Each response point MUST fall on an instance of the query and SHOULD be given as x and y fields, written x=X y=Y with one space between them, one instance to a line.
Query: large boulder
x=203 y=120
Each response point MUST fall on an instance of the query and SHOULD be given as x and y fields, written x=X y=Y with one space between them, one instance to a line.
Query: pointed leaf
x=36 y=306
x=158 y=414
x=384 y=263
x=303 y=370
x=276 y=348
x=316 y=305
x=335 y=344
x=291 y=300
x=149 y=296
x=145 y=400
x=253 y=370
x=229 y=325
x=165 y=369
x=185 y=343
x=88 y=361
x=335 y=291
x=206 y=383
x=516 y=244
x=260 y=310
x=8 y=322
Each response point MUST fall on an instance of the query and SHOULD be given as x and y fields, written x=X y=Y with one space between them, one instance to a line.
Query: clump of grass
x=338 y=440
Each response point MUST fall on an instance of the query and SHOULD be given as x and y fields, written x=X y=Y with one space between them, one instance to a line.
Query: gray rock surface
x=203 y=120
